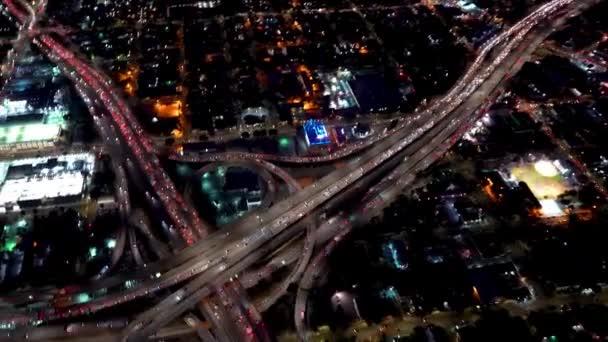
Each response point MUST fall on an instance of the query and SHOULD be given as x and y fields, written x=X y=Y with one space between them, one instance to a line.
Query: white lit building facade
x=34 y=182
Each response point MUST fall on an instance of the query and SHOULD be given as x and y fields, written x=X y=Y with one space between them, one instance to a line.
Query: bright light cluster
x=64 y=179
x=29 y=132
x=9 y=108
x=550 y=208
x=546 y=168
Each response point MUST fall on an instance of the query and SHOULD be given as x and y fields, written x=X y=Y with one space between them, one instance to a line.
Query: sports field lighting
x=546 y=168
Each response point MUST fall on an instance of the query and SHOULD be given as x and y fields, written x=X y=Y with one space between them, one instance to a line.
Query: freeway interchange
x=210 y=261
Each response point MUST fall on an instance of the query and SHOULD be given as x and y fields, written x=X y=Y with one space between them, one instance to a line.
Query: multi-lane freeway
x=196 y=287
x=226 y=254
x=381 y=195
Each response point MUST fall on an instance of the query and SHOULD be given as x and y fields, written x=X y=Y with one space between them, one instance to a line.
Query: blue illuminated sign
x=315 y=133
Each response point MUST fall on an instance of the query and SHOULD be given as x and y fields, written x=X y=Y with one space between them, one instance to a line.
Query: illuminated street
x=177 y=225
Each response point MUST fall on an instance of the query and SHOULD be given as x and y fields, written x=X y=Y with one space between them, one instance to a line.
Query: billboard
x=315 y=133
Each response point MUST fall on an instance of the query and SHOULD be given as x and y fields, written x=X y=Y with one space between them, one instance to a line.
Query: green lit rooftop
x=48 y=129
x=30 y=132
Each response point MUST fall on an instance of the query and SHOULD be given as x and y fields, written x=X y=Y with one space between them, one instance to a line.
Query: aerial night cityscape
x=316 y=170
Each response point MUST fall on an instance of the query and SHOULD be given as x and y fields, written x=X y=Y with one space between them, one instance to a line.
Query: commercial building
x=337 y=89
x=46 y=181
x=21 y=126
x=315 y=133
x=32 y=115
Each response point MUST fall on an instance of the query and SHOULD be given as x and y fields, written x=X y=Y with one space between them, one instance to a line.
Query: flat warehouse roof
x=43 y=178
x=27 y=189
x=15 y=134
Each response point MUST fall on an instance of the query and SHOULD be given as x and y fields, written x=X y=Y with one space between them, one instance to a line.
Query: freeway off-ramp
x=437 y=137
